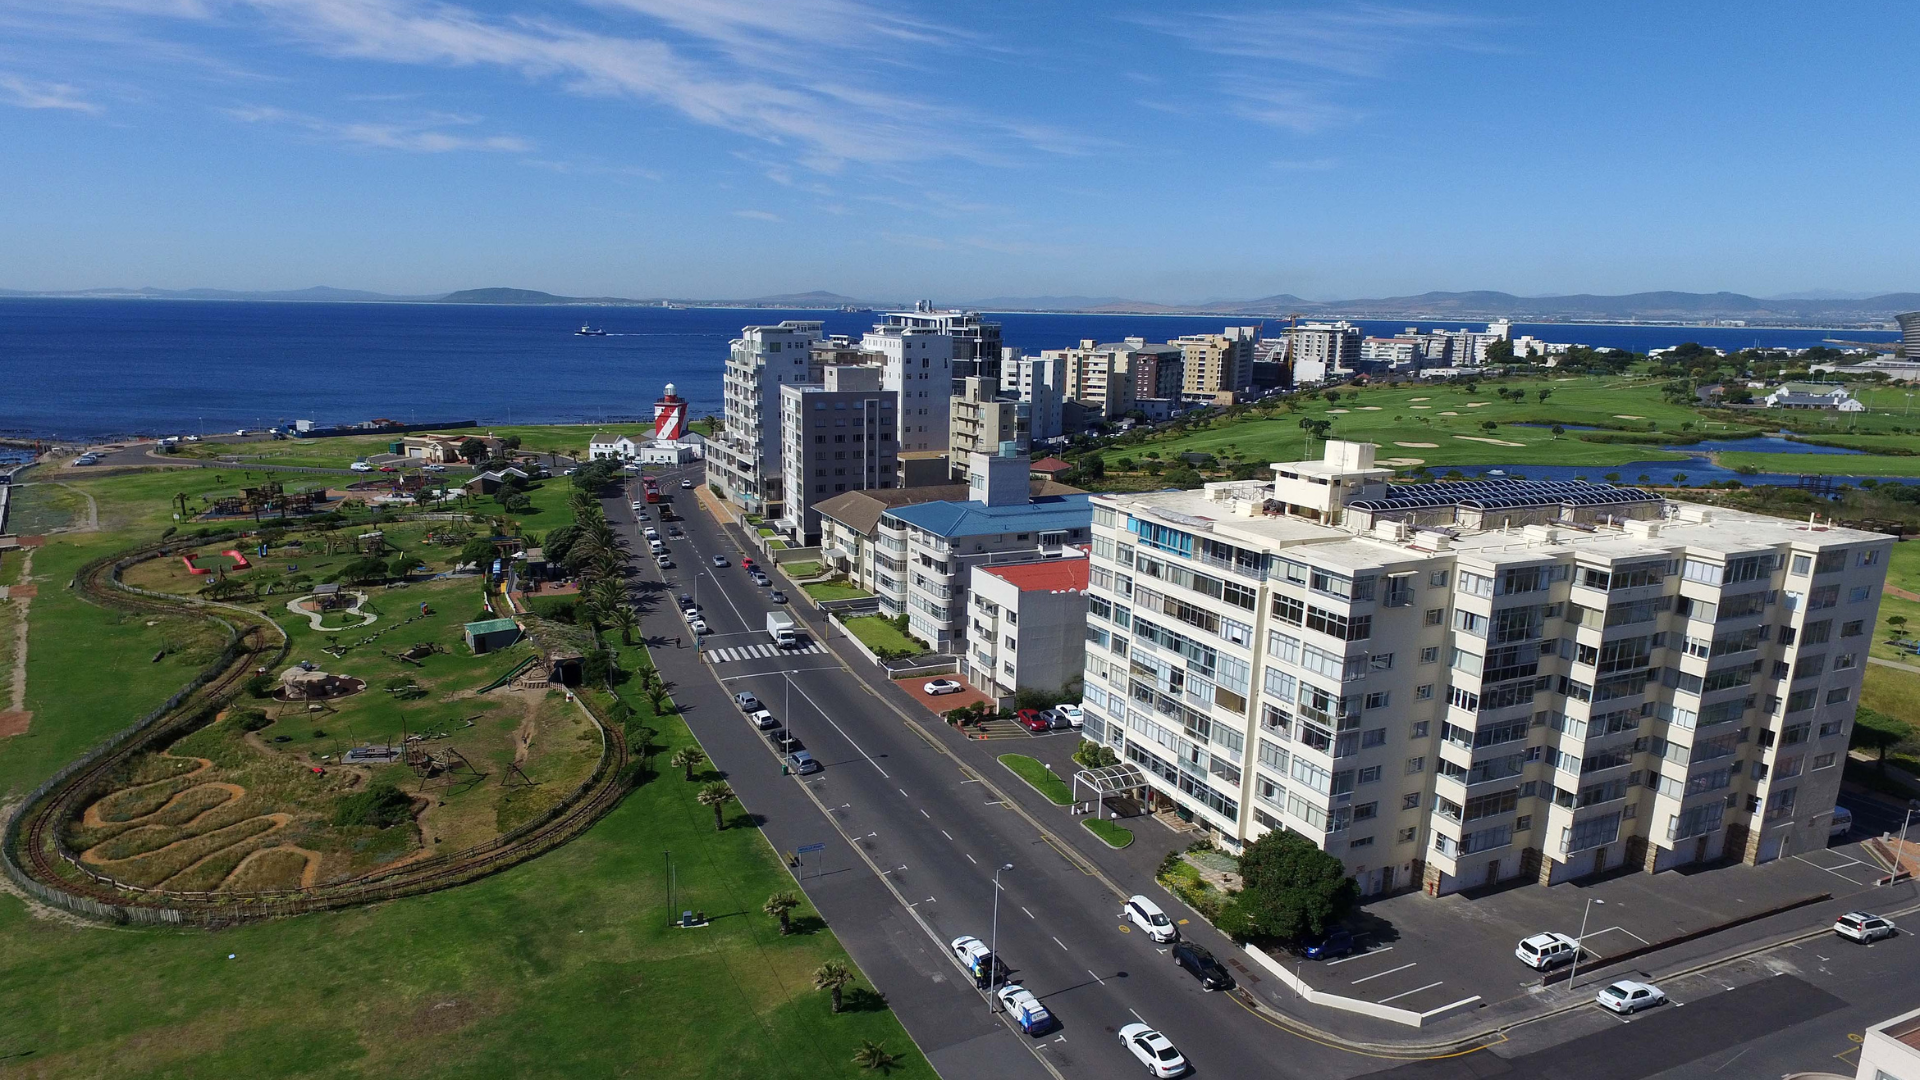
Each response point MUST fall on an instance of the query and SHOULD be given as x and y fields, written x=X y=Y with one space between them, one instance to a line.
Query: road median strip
x=1038 y=777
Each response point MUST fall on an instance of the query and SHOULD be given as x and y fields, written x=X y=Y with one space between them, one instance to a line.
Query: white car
x=1153 y=922
x=941 y=686
x=698 y=626
x=1075 y=718
x=1154 y=1050
x=972 y=953
x=1627 y=997
x=1025 y=1009
x=686 y=483
x=1548 y=950
x=433 y=468
x=361 y=466
x=664 y=562
x=1864 y=928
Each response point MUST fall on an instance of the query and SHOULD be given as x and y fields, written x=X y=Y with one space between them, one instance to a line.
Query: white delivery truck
x=780 y=629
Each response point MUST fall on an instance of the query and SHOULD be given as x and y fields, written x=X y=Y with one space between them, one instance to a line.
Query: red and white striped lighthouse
x=670 y=417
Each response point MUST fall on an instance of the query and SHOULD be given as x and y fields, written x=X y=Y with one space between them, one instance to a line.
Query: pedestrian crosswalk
x=756 y=652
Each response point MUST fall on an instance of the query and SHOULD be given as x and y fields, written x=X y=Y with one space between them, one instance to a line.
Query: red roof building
x=1051 y=467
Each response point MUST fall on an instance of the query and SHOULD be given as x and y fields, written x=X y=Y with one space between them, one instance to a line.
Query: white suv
x=1864 y=928
x=1147 y=915
x=1548 y=950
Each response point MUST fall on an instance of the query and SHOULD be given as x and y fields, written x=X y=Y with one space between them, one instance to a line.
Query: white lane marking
x=1358 y=955
x=1023 y=907
x=1411 y=992
x=843 y=732
x=1062 y=944
x=1137 y=1016
x=1103 y=982
x=971 y=859
x=929 y=817
x=946 y=834
x=903 y=793
x=1389 y=971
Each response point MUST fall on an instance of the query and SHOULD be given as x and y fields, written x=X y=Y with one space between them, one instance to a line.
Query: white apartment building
x=1097 y=376
x=982 y=419
x=1453 y=684
x=1026 y=626
x=837 y=436
x=1890 y=1050
x=923 y=352
x=743 y=458
x=1037 y=381
x=1324 y=351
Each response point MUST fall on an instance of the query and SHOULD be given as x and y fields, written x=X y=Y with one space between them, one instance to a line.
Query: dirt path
x=15 y=719
x=1894 y=590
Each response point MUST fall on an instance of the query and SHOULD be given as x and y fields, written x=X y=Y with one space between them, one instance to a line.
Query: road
x=913 y=838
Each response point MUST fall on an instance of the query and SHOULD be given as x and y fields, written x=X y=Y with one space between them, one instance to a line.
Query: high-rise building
x=1096 y=376
x=1909 y=334
x=1448 y=685
x=1026 y=626
x=838 y=436
x=1037 y=381
x=983 y=420
x=1324 y=352
x=1217 y=364
x=744 y=457
x=924 y=351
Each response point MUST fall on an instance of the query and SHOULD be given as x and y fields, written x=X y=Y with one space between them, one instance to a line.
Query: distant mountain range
x=1812 y=307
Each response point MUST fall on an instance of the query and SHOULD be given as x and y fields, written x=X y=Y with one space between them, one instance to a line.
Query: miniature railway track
x=259 y=641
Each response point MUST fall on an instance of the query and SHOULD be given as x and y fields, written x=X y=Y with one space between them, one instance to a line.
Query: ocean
x=93 y=369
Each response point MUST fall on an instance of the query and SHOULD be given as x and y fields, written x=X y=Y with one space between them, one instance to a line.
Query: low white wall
x=1355 y=1005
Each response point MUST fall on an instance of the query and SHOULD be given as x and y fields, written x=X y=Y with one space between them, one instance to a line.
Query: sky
x=1179 y=153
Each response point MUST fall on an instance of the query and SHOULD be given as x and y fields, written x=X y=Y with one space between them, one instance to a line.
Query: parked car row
x=690 y=611
x=792 y=752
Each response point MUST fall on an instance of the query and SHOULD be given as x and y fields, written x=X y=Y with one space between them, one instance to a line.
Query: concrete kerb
x=1354 y=1005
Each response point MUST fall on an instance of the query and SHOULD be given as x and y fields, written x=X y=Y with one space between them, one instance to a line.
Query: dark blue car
x=1335 y=943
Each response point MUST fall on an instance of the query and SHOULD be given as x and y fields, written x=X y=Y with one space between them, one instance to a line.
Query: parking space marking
x=1836 y=871
x=1389 y=971
x=1358 y=955
x=1412 y=992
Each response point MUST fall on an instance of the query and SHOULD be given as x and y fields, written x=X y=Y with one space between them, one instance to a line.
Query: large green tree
x=1292 y=888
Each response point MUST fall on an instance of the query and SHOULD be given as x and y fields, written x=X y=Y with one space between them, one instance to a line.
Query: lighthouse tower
x=669 y=417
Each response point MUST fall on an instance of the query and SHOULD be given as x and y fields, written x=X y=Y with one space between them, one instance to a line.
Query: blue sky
x=731 y=148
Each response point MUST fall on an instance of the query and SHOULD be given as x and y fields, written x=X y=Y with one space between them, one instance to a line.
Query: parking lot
x=1424 y=953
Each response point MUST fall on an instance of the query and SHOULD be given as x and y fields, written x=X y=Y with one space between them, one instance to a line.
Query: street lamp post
x=993 y=945
x=1905 y=820
x=1581 y=942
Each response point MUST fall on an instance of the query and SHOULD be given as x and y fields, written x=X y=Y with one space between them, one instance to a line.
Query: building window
x=1406 y=835
x=1436 y=616
x=1430 y=654
x=1371 y=774
x=1423 y=693
x=1416 y=765
x=1420 y=728
x=1410 y=801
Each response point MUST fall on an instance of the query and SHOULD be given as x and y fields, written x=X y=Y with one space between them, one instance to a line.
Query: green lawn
x=1041 y=779
x=564 y=966
x=877 y=633
x=831 y=590
x=338 y=452
x=801 y=569
x=1114 y=835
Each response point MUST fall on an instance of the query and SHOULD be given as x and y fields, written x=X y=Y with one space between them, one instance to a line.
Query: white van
x=1841 y=825
x=1147 y=915
x=657 y=547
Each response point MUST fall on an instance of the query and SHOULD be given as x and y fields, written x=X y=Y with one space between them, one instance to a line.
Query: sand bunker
x=1496 y=442
x=1401 y=462
x=1419 y=445
x=1339 y=410
x=1419 y=399
x=1624 y=416
x=1419 y=406
x=1369 y=408
x=1449 y=414
x=1477 y=404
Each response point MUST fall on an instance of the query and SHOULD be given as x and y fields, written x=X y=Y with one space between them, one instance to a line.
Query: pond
x=1696 y=470
x=1761 y=444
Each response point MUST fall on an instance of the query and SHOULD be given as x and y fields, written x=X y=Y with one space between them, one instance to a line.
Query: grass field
x=562 y=967
x=1442 y=425
x=831 y=590
x=1040 y=778
x=1114 y=835
x=340 y=451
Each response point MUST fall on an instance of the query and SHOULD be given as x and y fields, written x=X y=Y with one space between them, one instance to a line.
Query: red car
x=1033 y=721
x=746 y=563
x=388 y=468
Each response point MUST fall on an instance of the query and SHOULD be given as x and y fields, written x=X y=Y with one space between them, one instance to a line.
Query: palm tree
x=689 y=758
x=872 y=1055
x=780 y=905
x=717 y=795
x=833 y=977
x=623 y=619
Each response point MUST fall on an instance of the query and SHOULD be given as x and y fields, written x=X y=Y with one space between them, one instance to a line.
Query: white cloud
x=756 y=215
x=425 y=135
x=27 y=94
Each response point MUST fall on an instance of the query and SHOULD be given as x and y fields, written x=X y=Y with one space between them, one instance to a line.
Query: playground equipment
x=192 y=569
x=239 y=561
x=510 y=675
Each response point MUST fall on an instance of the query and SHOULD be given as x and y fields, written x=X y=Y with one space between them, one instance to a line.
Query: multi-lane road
x=913 y=835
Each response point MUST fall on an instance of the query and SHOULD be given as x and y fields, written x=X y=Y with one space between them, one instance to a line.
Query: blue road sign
x=810 y=847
